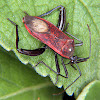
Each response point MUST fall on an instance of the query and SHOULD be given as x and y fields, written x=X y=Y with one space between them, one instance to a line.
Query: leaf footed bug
x=54 y=38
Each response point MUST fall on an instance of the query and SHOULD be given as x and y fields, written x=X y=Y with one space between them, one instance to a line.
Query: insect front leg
x=35 y=52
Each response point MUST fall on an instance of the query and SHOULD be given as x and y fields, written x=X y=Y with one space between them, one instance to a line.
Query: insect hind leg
x=35 y=52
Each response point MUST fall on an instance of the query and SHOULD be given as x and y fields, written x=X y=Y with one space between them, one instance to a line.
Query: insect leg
x=35 y=52
x=76 y=78
x=64 y=66
x=49 y=68
x=57 y=66
x=71 y=83
x=49 y=12
x=77 y=44
x=62 y=19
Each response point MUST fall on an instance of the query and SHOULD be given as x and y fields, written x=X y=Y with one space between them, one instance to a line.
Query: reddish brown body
x=50 y=35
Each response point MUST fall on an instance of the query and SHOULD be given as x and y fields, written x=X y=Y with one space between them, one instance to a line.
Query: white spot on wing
x=39 y=26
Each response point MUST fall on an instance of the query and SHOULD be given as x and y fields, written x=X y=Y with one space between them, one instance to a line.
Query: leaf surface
x=79 y=13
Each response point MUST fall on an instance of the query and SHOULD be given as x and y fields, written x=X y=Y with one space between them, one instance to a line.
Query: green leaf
x=91 y=91
x=78 y=15
x=21 y=82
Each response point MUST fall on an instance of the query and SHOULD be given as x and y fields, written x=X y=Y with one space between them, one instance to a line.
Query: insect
x=54 y=38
